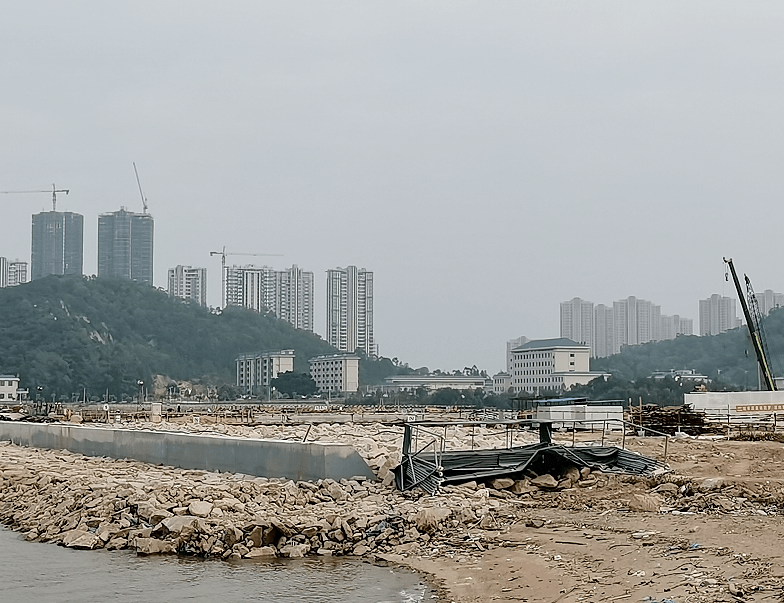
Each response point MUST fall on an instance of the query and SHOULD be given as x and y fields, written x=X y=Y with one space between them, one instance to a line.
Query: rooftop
x=557 y=342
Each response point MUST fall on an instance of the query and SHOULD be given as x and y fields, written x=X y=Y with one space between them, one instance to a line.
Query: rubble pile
x=83 y=502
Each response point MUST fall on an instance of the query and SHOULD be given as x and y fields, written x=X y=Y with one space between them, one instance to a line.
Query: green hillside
x=67 y=334
x=727 y=358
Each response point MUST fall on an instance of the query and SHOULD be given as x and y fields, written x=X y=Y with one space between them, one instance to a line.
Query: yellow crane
x=54 y=192
x=223 y=253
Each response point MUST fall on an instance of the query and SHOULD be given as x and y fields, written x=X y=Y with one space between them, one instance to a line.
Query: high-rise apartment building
x=717 y=314
x=577 y=322
x=769 y=300
x=672 y=326
x=188 y=283
x=57 y=243
x=631 y=321
x=604 y=331
x=286 y=293
x=17 y=273
x=125 y=245
x=350 y=310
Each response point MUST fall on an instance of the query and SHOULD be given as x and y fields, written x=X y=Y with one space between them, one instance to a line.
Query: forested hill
x=728 y=358
x=70 y=333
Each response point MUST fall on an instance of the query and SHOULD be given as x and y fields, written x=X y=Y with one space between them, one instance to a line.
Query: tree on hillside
x=295 y=384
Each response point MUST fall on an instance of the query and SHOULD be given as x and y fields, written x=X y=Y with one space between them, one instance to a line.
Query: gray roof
x=558 y=342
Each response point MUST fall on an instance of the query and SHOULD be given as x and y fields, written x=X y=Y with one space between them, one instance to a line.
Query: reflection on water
x=47 y=573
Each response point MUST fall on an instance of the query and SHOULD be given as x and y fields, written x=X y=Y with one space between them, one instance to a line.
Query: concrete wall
x=736 y=403
x=264 y=458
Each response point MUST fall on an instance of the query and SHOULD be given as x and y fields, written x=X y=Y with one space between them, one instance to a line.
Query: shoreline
x=617 y=538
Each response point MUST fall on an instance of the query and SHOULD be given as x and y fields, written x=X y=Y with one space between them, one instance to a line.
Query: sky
x=486 y=160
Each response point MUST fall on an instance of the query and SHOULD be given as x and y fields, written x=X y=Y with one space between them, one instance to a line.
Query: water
x=47 y=573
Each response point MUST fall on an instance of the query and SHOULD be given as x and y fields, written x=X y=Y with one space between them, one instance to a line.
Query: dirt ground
x=719 y=540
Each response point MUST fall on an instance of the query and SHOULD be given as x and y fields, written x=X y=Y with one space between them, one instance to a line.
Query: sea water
x=47 y=573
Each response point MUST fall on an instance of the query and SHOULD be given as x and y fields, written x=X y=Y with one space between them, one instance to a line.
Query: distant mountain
x=728 y=357
x=67 y=334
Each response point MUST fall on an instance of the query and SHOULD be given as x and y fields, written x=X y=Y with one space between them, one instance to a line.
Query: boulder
x=502 y=483
x=261 y=552
x=427 y=520
x=668 y=488
x=294 y=550
x=175 y=524
x=545 y=482
x=200 y=508
x=336 y=492
x=80 y=539
x=711 y=483
x=572 y=474
x=645 y=503
x=153 y=546
x=522 y=486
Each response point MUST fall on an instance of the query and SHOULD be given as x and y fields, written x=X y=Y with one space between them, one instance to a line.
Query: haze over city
x=486 y=161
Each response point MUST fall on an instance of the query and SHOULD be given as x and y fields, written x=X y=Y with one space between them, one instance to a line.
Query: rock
x=572 y=474
x=587 y=483
x=294 y=550
x=263 y=552
x=80 y=539
x=502 y=483
x=534 y=522
x=153 y=546
x=522 y=486
x=336 y=492
x=585 y=472
x=360 y=550
x=325 y=552
x=646 y=503
x=158 y=515
x=668 y=488
x=175 y=524
x=200 y=508
x=711 y=483
x=427 y=520
x=545 y=482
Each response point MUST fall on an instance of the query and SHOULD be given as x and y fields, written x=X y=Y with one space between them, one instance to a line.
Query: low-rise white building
x=256 y=371
x=502 y=382
x=9 y=389
x=433 y=382
x=551 y=364
x=337 y=373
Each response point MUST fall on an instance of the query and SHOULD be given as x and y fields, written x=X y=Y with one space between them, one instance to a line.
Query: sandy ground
x=586 y=545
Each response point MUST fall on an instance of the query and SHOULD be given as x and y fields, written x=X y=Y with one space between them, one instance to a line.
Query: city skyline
x=632 y=142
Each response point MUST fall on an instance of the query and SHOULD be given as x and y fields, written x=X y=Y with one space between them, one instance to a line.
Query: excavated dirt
x=713 y=533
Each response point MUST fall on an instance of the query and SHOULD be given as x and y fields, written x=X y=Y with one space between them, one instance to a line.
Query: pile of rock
x=89 y=503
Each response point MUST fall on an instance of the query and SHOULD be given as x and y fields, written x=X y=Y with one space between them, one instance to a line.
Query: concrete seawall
x=263 y=458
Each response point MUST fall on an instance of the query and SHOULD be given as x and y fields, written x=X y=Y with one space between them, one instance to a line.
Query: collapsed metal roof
x=431 y=466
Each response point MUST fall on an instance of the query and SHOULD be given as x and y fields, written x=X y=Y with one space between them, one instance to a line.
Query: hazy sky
x=487 y=160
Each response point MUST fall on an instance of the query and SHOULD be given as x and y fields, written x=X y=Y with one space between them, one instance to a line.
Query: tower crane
x=144 y=199
x=223 y=253
x=754 y=323
x=54 y=192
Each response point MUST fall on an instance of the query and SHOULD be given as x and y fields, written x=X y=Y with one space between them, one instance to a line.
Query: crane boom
x=54 y=192
x=223 y=253
x=755 y=328
x=144 y=199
